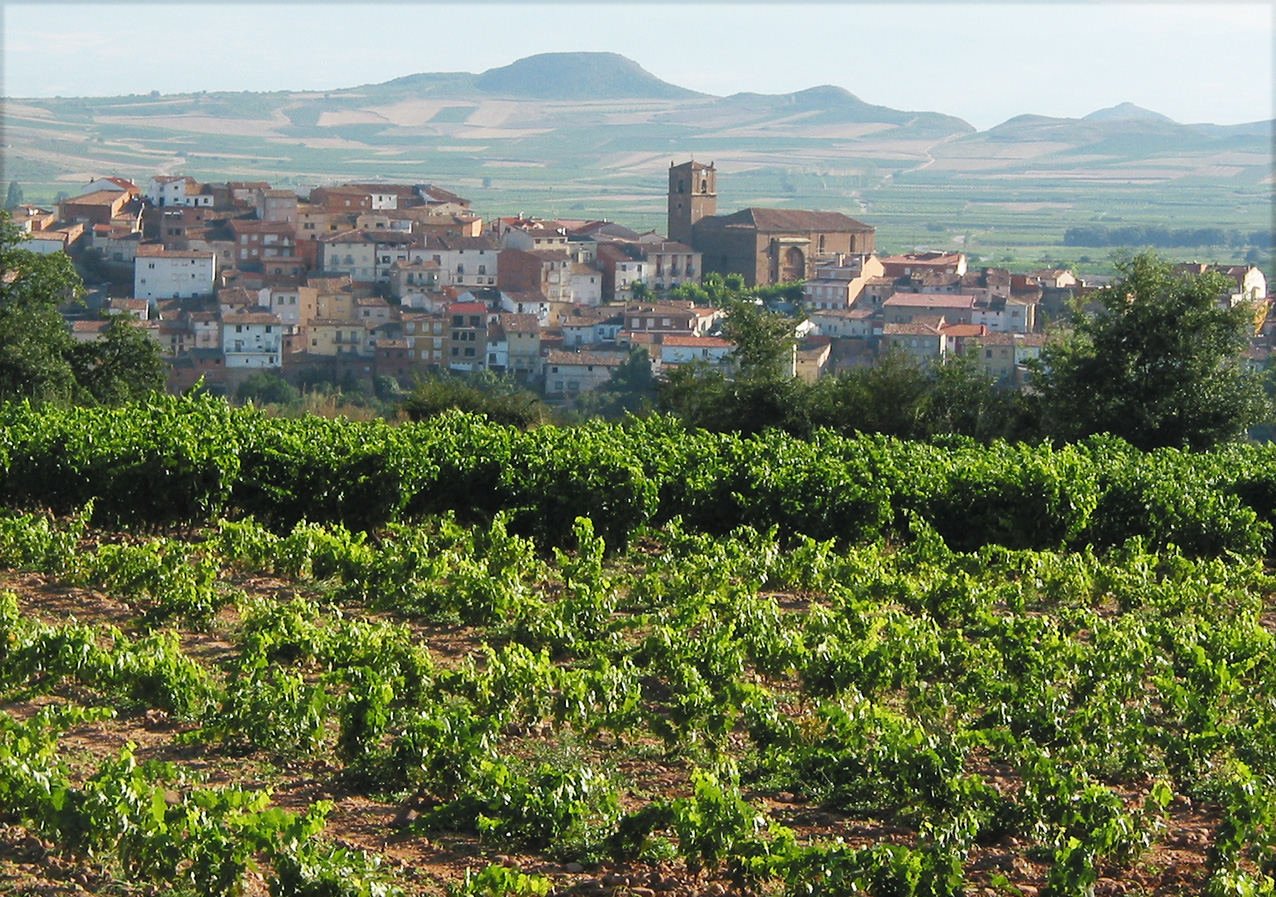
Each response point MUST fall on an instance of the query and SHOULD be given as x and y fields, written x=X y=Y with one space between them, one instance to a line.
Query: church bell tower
x=693 y=194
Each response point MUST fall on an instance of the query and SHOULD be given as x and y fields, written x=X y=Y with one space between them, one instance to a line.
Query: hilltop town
x=359 y=281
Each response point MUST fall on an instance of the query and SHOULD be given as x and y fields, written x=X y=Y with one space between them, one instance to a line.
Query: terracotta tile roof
x=514 y=323
x=930 y=300
x=526 y=296
x=697 y=342
x=668 y=246
x=467 y=308
x=588 y=316
x=96 y=198
x=909 y=330
x=789 y=221
x=435 y=241
x=851 y=313
x=653 y=308
x=155 y=250
x=438 y=194
x=964 y=329
x=924 y=259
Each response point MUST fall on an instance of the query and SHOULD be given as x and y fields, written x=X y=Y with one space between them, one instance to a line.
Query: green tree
x=38 y=358
x=888 y=397
x=963 y=399
x=1159 y=365
x=122 y=365
x=501 y=399
x=15 y=195
x=265 y=388
x=35 y=346
x=631 y=390
x=764 y=340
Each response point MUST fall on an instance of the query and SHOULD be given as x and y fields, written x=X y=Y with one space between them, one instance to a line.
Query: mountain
x=592 y=134
x=578 y=76
x=1126 y=112
x=1124 y=131
x=545 y=76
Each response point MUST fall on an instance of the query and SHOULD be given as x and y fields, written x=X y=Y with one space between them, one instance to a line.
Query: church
x=765 y=246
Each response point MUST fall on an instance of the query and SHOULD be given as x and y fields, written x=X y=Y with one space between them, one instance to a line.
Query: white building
x=675 y=350
x=587 y=284
x=1008 y=315
x=839 y=285
x=843 y=322
x=252 y=340
x=168 y=190
x=164 y=274
x=464 y=262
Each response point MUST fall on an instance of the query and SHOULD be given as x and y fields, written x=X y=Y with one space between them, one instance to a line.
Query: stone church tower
x=693 y=194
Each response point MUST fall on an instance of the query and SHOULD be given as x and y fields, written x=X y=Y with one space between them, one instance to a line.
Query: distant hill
x=828 y=104
x=1126 y=112
x=592 y=135
x=545 y=76
x=578 y=76
x=1120 y=131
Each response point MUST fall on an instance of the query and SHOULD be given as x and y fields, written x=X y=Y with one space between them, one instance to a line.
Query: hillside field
x=924 y=180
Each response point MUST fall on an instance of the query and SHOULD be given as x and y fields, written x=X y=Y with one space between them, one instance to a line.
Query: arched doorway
x=793 y=266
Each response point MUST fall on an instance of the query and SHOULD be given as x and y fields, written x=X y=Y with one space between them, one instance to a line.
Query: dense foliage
x=39 y=360
x=1076 y=704
x=502 y=400
x=1159 y=365
x=191 y=460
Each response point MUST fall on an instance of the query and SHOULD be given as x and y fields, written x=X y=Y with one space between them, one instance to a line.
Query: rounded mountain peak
x=577 y=76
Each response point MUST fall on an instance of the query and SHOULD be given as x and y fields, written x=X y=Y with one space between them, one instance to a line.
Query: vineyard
x=310 y=657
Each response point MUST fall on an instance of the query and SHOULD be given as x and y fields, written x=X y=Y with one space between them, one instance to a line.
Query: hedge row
x=191 y=460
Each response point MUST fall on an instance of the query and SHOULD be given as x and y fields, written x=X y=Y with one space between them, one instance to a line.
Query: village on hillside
x=360 y=281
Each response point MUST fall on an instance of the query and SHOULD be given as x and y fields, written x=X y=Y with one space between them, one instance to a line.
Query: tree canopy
x=39 y=360
x=1160 y=365
x=501 y=399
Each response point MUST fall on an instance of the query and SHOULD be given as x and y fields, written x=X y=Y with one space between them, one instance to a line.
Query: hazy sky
x=984 y=62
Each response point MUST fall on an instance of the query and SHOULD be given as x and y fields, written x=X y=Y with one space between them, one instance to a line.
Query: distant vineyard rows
x=1164 y=237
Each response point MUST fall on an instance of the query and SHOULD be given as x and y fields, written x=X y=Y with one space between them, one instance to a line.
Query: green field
x=452 y=658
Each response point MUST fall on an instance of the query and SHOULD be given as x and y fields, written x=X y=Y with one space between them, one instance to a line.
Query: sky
x=984 y=62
